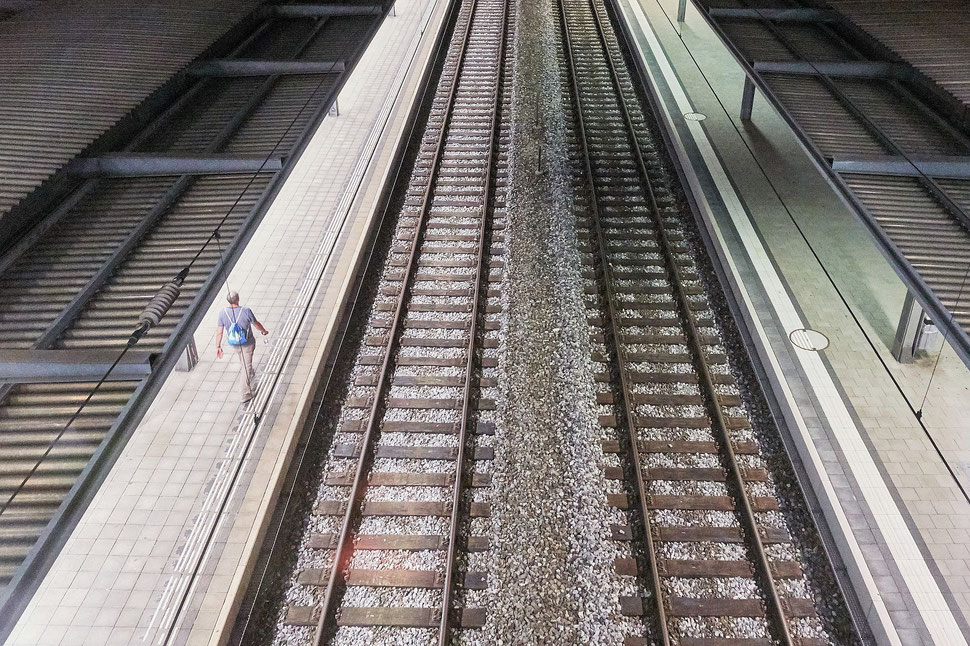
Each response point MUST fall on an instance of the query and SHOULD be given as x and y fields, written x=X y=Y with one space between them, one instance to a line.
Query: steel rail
x=718 y=422
x=613 y=331
x=344 y=545
x=243 y=627
x=666 y=128
x=483 y=231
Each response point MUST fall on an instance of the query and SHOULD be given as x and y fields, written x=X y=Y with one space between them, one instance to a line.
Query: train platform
x=162 y=554
x=881 y=444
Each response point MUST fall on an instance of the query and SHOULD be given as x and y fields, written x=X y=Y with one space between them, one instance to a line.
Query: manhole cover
x=809 y=339
x=695 y=116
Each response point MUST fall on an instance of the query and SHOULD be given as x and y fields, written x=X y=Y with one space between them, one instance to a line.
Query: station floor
x=891 y=489
x=162 y=553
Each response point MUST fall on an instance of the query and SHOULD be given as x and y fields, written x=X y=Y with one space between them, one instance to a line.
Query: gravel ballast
x=555 y=583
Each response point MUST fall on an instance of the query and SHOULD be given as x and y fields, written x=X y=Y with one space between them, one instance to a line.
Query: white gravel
x=430 y=494
x=364 y=596
x=551 y=577
x=398 y=559
x=356 y=636
x=556 y=584
x=713 y=588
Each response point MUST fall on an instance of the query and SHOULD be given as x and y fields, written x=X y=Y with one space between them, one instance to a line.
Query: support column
x=190 y=356
x=916 y=332
x=747 y=99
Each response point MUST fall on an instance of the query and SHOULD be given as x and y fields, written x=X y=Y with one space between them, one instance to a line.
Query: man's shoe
x=247 y=399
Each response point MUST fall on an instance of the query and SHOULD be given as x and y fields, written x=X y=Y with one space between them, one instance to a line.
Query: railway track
x=393 y=549
x=698 y=530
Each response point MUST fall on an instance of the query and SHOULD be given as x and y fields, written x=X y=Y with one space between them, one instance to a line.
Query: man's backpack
x=236 y=334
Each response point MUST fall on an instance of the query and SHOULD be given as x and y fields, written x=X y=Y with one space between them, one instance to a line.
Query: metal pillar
x=682 y=10
x=747 y=99
x=915 y=333
x=190 y=356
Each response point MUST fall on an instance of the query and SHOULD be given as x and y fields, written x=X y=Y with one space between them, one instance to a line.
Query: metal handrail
x=957 y=335
x=15 y=596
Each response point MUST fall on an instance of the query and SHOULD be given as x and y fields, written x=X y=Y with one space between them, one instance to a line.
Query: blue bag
x=236 y=335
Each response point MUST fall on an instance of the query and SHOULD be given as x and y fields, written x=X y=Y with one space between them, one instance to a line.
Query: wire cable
x=215 y=235
x=183 y=597
x=323 y=78
x=53 y=443
x=936 y=364
x=815 y=254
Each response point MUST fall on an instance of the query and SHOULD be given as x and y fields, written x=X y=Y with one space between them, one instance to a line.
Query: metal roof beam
x=858 y=69
x=934 y=166
x=323 y=10
x=777 y=15
x=958 y=336
x=17 y=5
x=137 y=165
x=46 y=366
x=241 y=67
x=173 y=194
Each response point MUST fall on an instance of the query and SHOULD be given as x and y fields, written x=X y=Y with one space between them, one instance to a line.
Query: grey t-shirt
x=242 y=316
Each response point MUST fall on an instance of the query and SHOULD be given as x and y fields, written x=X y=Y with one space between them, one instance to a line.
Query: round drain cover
x=809 y=339
x=695 y=116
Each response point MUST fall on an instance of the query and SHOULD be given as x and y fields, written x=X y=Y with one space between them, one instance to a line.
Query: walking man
x=238 y=323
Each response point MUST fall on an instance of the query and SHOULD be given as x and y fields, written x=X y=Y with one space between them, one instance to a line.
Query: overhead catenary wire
x=946 y=335
x=149 y=318
x=917 y=413
x=874 y=127
x=269 y=155
x=183 y=595
x=53 y=442
x=314 y=281
x=169 y=292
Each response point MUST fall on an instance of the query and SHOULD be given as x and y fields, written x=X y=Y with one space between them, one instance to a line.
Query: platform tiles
x=797 y=258
x=162 y=553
